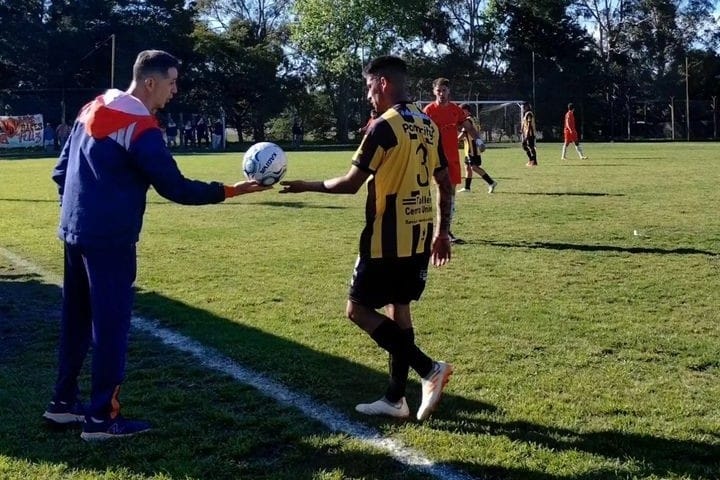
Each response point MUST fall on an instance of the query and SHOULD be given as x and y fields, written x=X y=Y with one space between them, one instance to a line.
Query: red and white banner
x=22 y=131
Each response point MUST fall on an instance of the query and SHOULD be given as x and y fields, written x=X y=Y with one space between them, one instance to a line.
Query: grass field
x=582 y=350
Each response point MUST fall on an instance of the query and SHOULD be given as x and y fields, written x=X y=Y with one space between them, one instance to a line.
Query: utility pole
x=672 y=116
x=533 y=78
x=714 y=109
x=112 y=61
x=687 y=98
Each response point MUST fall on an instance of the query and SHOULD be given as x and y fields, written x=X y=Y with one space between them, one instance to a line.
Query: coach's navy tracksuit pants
x=97 y=304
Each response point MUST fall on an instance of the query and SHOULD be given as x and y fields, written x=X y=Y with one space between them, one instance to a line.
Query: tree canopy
x=267 y=61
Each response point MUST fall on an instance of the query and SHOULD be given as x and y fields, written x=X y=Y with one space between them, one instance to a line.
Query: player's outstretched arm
x=348 y=183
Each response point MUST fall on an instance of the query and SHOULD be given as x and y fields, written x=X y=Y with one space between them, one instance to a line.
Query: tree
x=339 y=36
x=238 y=73
x=541 y=36
x=22 y=43
x=264 y=16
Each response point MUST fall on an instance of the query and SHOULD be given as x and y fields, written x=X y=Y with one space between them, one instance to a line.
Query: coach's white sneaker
x=432 y=387
x=491 y=187
x=464 y=190
x=384 y=407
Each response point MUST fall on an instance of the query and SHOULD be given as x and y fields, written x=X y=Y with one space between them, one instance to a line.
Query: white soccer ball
x=480 y=145
x=265 y=163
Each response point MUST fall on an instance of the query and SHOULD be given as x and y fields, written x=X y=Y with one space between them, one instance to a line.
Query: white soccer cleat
x=384 y=407
x=432 y=387
x=464 y=190
x=491 y=187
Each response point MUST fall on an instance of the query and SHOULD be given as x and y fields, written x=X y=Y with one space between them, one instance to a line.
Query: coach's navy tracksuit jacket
x=114 y=154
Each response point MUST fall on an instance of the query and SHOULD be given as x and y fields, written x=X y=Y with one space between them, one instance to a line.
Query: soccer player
x=528 y=134
x=473 y=160
x=373 y=116
x=450 y=118
x=571 y=133
x=115 y=152
x=401 y=156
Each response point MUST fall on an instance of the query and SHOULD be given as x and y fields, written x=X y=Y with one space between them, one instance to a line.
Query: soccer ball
x=265 y=163
x=480 y=145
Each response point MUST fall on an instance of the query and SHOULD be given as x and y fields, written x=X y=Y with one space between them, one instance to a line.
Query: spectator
x=201 y=129
x=218 y=131
x=171 y=131
x=49 y=137
x=189 y=134
x=297 y=133
x=63 y=132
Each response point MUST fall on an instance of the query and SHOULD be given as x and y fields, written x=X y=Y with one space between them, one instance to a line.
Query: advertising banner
x=22 y=131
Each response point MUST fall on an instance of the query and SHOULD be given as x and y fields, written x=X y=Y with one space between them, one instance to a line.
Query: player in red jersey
x=571 y=133
x=450 y=118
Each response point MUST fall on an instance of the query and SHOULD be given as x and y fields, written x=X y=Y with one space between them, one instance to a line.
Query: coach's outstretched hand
x=241 y=188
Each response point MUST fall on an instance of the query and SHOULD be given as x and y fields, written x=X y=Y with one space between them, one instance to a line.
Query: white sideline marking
x=328 y=416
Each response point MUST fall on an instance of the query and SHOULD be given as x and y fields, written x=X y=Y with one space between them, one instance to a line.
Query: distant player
x=473 y=160
x=528 y=134
x=571 y=133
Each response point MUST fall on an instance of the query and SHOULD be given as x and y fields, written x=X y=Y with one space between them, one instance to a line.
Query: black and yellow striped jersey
x=470 y=146
x=402 y=151
x=528 y=124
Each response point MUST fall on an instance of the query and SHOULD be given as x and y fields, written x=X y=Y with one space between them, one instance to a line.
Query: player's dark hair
x=570 y=106
x=149 y=62
x=466 y=106
x=441 y=82
x=388 y=66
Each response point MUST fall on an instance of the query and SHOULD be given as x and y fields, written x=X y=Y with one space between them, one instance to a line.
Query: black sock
x=421 y=363
x=468 y=181
x=389 y=336
x=399 y=366
x=487 y=178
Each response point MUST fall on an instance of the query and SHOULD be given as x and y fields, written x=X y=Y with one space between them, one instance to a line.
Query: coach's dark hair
x=388 y=66
x=570 y=106
x=150 y=62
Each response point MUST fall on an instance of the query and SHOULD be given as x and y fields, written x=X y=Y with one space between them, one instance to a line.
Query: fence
x=619 y=119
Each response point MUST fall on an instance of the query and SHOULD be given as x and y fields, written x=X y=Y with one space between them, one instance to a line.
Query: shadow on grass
x=593 y=248
x=295 y=204
x=652 y=456
x=567 y=194
x=209 y=426
x=288 y=204
x=594 y=165
x=30 y=200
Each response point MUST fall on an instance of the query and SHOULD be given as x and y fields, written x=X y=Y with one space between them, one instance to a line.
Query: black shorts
x=377 y=282
x=529 y=142
x=475 y=161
